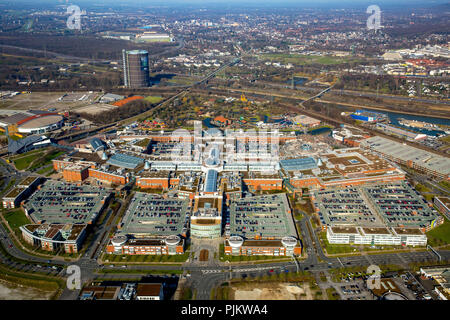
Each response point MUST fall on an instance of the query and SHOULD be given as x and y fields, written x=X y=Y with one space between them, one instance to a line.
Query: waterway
x=297 y=81
x=157 y=78
x=395 y=116
x=315 y=132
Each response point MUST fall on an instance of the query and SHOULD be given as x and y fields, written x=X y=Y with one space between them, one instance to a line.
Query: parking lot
x=151 y=214
x=400 y=204
x=344 y=206
x=58 y=202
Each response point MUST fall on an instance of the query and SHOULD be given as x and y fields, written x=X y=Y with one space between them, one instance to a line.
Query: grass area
x=24 y=161
x=300 y=59
x=16 y=219
x=422 y=188
x=10 y=184
x=221 y=293
x=186 y=293
x=333 y=294
x=440 y=235
x=46 y=171
x=136 y=271
x=147 y=258
x=35 y=159
x=143 y=143
x=445 y=184
x=46 y=160
x=43 y=283
x=153 y=99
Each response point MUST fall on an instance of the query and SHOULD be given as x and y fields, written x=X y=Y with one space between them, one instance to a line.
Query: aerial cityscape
x=224 y=151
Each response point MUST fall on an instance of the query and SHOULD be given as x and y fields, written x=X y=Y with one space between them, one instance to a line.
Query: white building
x=376 y=236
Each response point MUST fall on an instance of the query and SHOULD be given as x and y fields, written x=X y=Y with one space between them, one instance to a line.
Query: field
x=272 y=291
x=153 y=99
x=12 y=291
x=299 y=59
x=439 y=236
x=445 y=184
x=16 y=219
x=113 y=258
x=35 y=159
x=97 y=108
x=43 y=101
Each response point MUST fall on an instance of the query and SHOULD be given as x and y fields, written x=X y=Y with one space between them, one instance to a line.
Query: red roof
x=125 y=101
x=221 y=119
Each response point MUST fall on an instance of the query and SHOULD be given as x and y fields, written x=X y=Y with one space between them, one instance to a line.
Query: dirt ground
x=11 y=291
x=204 y=255
x=273 y=291
x=46 y=100
x=94 y=109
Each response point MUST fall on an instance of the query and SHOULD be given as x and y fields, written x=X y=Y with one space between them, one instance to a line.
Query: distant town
x=191 y=154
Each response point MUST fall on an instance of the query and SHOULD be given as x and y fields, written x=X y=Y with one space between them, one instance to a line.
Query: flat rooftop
x=400 y=205
x=12 y=194
x=69 y=232
x=148 y=289
x=374 y=206
x=59 y=202
x=421 y=157
x=152 y=215
x=345 y=207
x=262 y=217
x=344 y=230
x=28 y=181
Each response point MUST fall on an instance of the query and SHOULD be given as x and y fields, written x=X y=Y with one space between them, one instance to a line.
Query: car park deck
x=152 y=215
x=57 y=202
x=262 y=217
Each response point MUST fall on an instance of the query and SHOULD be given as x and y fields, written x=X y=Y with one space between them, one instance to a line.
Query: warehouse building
x=418 y=159
x=342 y=167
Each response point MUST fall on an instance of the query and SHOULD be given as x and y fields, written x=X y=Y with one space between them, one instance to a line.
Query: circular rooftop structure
x=289 y=242
x=172 y=240
x=393 y=296
x=40 y=124
x=118 y=241
x=235 y=241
